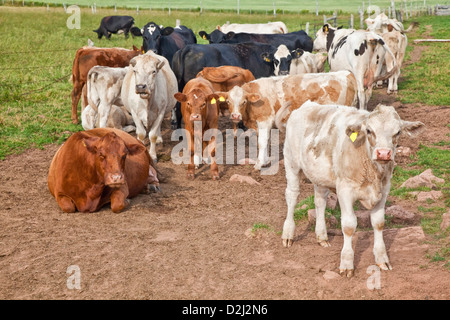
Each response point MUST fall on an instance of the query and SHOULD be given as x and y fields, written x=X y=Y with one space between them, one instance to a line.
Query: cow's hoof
x=324 y=243
x=287 y=243
x=385 y=266
x=190 y=176
x=347 y=272
x=215 y=177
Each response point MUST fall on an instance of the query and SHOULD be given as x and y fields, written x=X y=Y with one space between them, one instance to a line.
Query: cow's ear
x=230 y=35
x=160 y=64
x=135 y=148
x=297 y=53
x=218 y=27
x=212 y=98
x=133 y=62
x=412 y=128
x=267 y=57
x=181 y=97
x=167 y=31
x=253 y=97
x=340 y=27
x=90 y=143
x=356 y=134
x=204 y=35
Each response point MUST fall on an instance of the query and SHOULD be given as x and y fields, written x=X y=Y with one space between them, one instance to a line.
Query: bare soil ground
x=194 y=240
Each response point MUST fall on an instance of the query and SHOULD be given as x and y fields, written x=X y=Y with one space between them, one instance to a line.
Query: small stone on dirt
x=246 y=179
x=425 y=179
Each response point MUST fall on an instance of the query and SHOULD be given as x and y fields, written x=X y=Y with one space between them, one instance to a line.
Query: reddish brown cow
x=199 y=105
x=86 y=58
x=224 y=78
x=99 y=166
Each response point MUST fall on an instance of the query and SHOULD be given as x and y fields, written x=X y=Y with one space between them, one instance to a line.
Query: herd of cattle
x=264 y=76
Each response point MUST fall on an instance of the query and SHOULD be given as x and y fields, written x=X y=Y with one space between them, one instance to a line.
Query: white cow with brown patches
x=352 y=152
x=263 y=102
x=265 y=28
x=361 y=52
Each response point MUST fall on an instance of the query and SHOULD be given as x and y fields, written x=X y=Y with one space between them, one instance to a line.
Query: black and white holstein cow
x=352 y=152
x=114 y=24
x=361 y=52
x=166 y=41
x=293 y=40
x=263 y=60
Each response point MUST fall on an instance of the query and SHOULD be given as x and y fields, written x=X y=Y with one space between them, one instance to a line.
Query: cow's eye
x=203 y=105
x=369 y=132
x=124 y=157
x=398 y=133
x=276 y=62
x=244 y=102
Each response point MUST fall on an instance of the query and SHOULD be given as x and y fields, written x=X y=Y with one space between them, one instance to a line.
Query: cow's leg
x=377 y=220
x=76 y=94
x=104 y=110
x=119 y=200
x=348 y=223
x=263 y=141
x=154 y=133
x=66 y=204
x=390 y=88
x=320 y=202
x=291 y=194
x=191 y=165
x=212 y=154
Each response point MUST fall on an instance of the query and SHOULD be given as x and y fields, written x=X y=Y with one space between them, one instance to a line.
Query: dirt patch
x=194 y=240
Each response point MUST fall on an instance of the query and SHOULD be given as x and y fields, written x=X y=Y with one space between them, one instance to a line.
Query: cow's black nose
x=283 y=73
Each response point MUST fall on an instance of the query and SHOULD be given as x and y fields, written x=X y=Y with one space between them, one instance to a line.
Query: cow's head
x=281 y=60
x=238 y=100
x=145 y=68
x=323 y=36
x=196 y=102
x=151 y=34
x=379 y=133
x=110 y=152
x=216 y=36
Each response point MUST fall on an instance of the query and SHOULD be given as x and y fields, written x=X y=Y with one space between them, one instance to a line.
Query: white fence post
x=307 y=28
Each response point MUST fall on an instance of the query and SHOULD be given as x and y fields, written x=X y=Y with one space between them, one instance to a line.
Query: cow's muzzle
x=236 y=117
x=141 y=88
x=196 y=117
x=383 y=154
x=115 y=180
x=283 y=73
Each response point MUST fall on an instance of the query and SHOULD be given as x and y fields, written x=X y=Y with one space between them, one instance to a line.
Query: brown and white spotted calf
x=259 y=103
x=348 y=150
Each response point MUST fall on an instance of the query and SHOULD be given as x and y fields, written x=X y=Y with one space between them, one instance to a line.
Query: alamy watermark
x=74 y=280
x=74 y=20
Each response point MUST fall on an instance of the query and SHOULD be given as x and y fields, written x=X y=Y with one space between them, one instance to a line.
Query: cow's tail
x=391 y=72
x=282 y=115
x=92 y=77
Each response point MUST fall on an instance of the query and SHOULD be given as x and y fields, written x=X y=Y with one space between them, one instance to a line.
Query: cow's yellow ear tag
x=353 y=136
x=266 y=59
x=213 y=101
x=204 y=37
x=221 y=99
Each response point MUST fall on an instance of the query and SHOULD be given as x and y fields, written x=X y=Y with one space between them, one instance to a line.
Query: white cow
x=264 y=102
x=270 y=27
x=361 y=52
x=118 y=118
x=148 y=94
x=307 y=62
x=348 y=150
x=381 y=23
x=104 y=85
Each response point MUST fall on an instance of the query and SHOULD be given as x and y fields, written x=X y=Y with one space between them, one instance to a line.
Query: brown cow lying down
x=95 y=167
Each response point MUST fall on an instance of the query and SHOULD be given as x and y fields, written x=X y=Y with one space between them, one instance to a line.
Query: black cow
x=292 y=40
x=261 y=59
x=166 y=41
x=114 y=24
